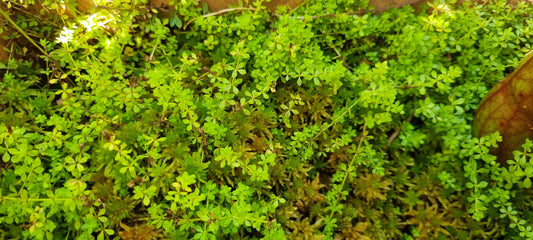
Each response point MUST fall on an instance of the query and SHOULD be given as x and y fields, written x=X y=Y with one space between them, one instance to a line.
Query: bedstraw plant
x=328 y=121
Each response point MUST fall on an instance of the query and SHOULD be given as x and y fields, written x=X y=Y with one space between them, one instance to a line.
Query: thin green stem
x=336 y=119
x=6 y=16
x=363 y=135
x=34 y=199
x=227 y=10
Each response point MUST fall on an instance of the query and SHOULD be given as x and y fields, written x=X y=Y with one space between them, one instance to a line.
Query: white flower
x=96 y=21
x=66 y=35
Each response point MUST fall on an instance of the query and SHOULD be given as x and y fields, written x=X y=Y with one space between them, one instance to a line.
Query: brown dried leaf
x=508 y=109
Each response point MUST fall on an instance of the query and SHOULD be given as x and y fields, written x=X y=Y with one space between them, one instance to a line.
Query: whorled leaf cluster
x=315 y=123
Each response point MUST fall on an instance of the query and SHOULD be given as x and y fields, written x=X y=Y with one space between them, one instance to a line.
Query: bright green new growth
x=309 y=124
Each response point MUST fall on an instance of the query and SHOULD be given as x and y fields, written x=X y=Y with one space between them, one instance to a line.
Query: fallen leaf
x=508 y=109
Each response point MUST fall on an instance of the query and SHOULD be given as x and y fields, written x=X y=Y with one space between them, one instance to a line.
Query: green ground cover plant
x=323 y=122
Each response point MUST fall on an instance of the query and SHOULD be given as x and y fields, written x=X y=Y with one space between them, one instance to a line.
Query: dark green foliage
x=313 y=124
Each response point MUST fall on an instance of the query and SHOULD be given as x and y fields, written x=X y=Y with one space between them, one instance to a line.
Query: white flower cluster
x=93 y=22
x=66 y=35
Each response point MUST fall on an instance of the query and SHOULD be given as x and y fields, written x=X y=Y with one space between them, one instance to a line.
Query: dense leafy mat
x=319 y=123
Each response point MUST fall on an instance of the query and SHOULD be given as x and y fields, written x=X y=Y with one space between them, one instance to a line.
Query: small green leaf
x=175 y=21
x=527 y=183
